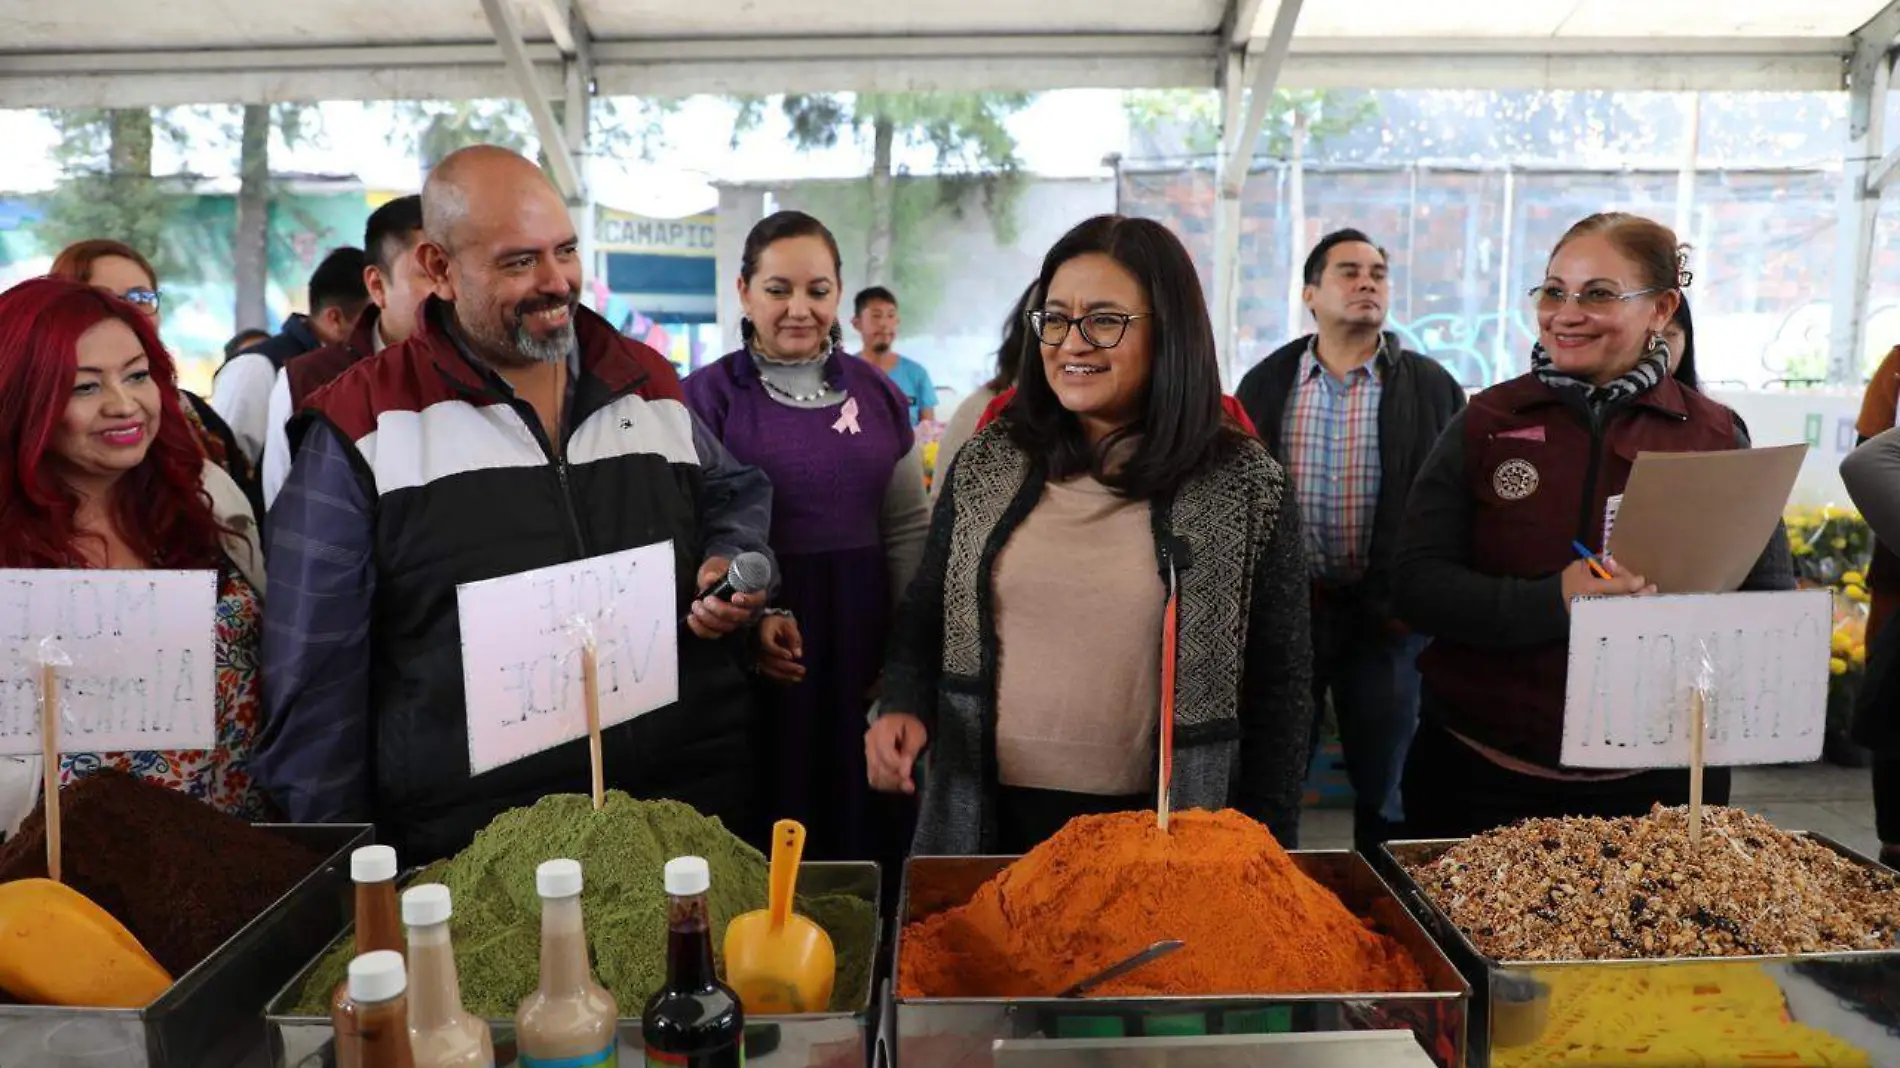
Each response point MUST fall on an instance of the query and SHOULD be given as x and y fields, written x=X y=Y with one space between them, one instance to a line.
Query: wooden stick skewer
x=1699 y=725
x=49 y=760
x=590 y=695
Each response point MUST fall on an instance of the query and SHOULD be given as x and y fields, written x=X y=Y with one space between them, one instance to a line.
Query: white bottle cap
x=373 y=864
x=558 y=878
x=426 y=905
x=687 y=876
x=377 y=976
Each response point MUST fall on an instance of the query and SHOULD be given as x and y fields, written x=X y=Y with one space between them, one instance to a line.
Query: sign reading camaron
x=619 y=231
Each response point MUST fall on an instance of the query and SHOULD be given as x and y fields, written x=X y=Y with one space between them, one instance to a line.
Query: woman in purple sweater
x=849 y=515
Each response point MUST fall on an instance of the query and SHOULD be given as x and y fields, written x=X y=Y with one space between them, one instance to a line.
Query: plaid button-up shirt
x=1331 y=435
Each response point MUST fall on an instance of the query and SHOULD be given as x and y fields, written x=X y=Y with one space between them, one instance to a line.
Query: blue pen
x=1596 y=565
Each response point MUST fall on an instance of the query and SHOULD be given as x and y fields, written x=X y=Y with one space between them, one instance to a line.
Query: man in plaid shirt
x=1352 y=415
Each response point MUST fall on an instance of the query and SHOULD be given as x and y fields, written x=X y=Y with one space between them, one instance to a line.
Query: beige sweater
x=1079 y=610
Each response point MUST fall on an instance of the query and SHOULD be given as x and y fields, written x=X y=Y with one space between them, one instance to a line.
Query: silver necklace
x=824 y=390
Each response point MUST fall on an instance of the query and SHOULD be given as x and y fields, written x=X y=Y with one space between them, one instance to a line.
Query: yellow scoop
x=59 y=948
x=781 y=964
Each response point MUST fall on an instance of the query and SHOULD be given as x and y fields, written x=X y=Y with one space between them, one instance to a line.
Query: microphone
x=748 y=573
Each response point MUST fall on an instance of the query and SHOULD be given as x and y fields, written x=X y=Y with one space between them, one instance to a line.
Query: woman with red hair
x=120 y=270
x=99 y=468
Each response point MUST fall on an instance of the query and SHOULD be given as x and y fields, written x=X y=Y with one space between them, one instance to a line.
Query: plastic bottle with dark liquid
x=372 y=1021
x=694 y=1021
x=378 y=921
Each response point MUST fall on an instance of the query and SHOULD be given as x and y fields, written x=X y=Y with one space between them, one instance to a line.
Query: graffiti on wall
x=1478 y=350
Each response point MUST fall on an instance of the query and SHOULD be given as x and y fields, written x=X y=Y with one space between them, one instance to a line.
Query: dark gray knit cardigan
x=1243 y=693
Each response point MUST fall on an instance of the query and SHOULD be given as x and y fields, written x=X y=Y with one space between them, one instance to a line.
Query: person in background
x=528 y=433
x=1679 y=335
x=99 y=468
x=875 y=319
x=1486 y=567
x=1873 y=484
x=241 y=389
x=393 y=276
x=1017 y=341
x=242 y=340
x=1026 y=667
x=848 y=521
x=1352 y=414
x=120 y=270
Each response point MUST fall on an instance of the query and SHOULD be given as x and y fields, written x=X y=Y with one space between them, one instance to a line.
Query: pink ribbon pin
x=848 y=421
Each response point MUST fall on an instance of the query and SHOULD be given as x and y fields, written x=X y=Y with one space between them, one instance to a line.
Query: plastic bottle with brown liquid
x=378 y=923
x=372 y=1021
x=694 y=1021
x=570 y=1020
x=442 y=1033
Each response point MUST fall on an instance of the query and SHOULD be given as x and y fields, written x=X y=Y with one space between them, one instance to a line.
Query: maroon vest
x=1538 y=479
x=314 y=370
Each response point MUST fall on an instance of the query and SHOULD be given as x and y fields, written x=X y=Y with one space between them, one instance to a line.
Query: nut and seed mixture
x=1617 y=889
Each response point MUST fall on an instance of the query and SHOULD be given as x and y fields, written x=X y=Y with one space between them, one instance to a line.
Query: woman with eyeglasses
x=1486 y=567
x=848 y=520
x=1109 y=522
x=99 y=469
x=119 y=269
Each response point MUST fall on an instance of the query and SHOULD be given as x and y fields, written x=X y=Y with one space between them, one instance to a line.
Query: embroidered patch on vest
x=1514 y=480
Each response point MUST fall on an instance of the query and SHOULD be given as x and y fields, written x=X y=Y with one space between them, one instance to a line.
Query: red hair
x=74 y=262
x=160 y=507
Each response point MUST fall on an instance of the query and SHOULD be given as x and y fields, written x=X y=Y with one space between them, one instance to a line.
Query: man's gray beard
x=552 y=350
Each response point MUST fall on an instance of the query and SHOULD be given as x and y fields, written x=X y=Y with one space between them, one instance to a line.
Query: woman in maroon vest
x=1485 y=564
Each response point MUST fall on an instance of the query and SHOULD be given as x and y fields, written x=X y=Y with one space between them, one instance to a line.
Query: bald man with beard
x=514 y=430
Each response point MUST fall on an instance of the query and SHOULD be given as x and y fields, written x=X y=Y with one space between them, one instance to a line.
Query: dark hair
x=783 y=226
x=1661 y=261
x=1685 y=369
x=74 y=262
x=391 y=230
x=1017 y=341
x=867 y=297
x=1316 y=259
x=338 y=282
x=1181 y=427
x=244 y=339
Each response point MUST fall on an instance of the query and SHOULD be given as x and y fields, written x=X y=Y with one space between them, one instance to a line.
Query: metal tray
x=211 y=1017
x=1853 y=997
x=961 y=1032
x=813 y=1040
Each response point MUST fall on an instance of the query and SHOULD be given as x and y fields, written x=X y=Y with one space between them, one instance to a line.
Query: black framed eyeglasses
x=142 y=298
x=1103 y=330
x=1553 y=297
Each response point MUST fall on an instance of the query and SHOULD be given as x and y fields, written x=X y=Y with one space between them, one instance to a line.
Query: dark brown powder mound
x=180 y=875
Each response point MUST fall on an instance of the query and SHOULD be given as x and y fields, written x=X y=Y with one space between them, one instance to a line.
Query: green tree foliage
x=967 y=133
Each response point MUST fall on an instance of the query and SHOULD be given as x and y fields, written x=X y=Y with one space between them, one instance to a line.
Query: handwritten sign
x=521 y=660
x=143 y=669
x=1634 y=662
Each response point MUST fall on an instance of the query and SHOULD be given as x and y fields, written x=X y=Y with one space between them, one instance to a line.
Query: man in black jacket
x=1352 y=415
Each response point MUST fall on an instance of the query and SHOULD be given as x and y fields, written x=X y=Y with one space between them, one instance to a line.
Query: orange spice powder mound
x=1107 y=887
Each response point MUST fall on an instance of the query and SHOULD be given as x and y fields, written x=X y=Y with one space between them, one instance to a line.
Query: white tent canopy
x=134 y=53
x=101 y=53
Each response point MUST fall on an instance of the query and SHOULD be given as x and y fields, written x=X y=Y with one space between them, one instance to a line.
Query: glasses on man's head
x=1103 y=330
x=146 y=300
x=1550 y=298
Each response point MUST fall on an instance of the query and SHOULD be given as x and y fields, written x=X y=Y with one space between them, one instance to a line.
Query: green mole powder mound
x=623 y=850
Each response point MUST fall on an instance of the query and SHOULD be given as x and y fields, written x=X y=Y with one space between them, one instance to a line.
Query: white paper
x=1610 y=505
x=521 y=660
x=143 y=672
x=1633 y=664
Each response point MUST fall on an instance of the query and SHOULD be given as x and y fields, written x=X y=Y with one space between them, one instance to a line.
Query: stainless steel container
x=1822 y=1008
x=813 y=1040
x=212 y=1017
x=961 y=1032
